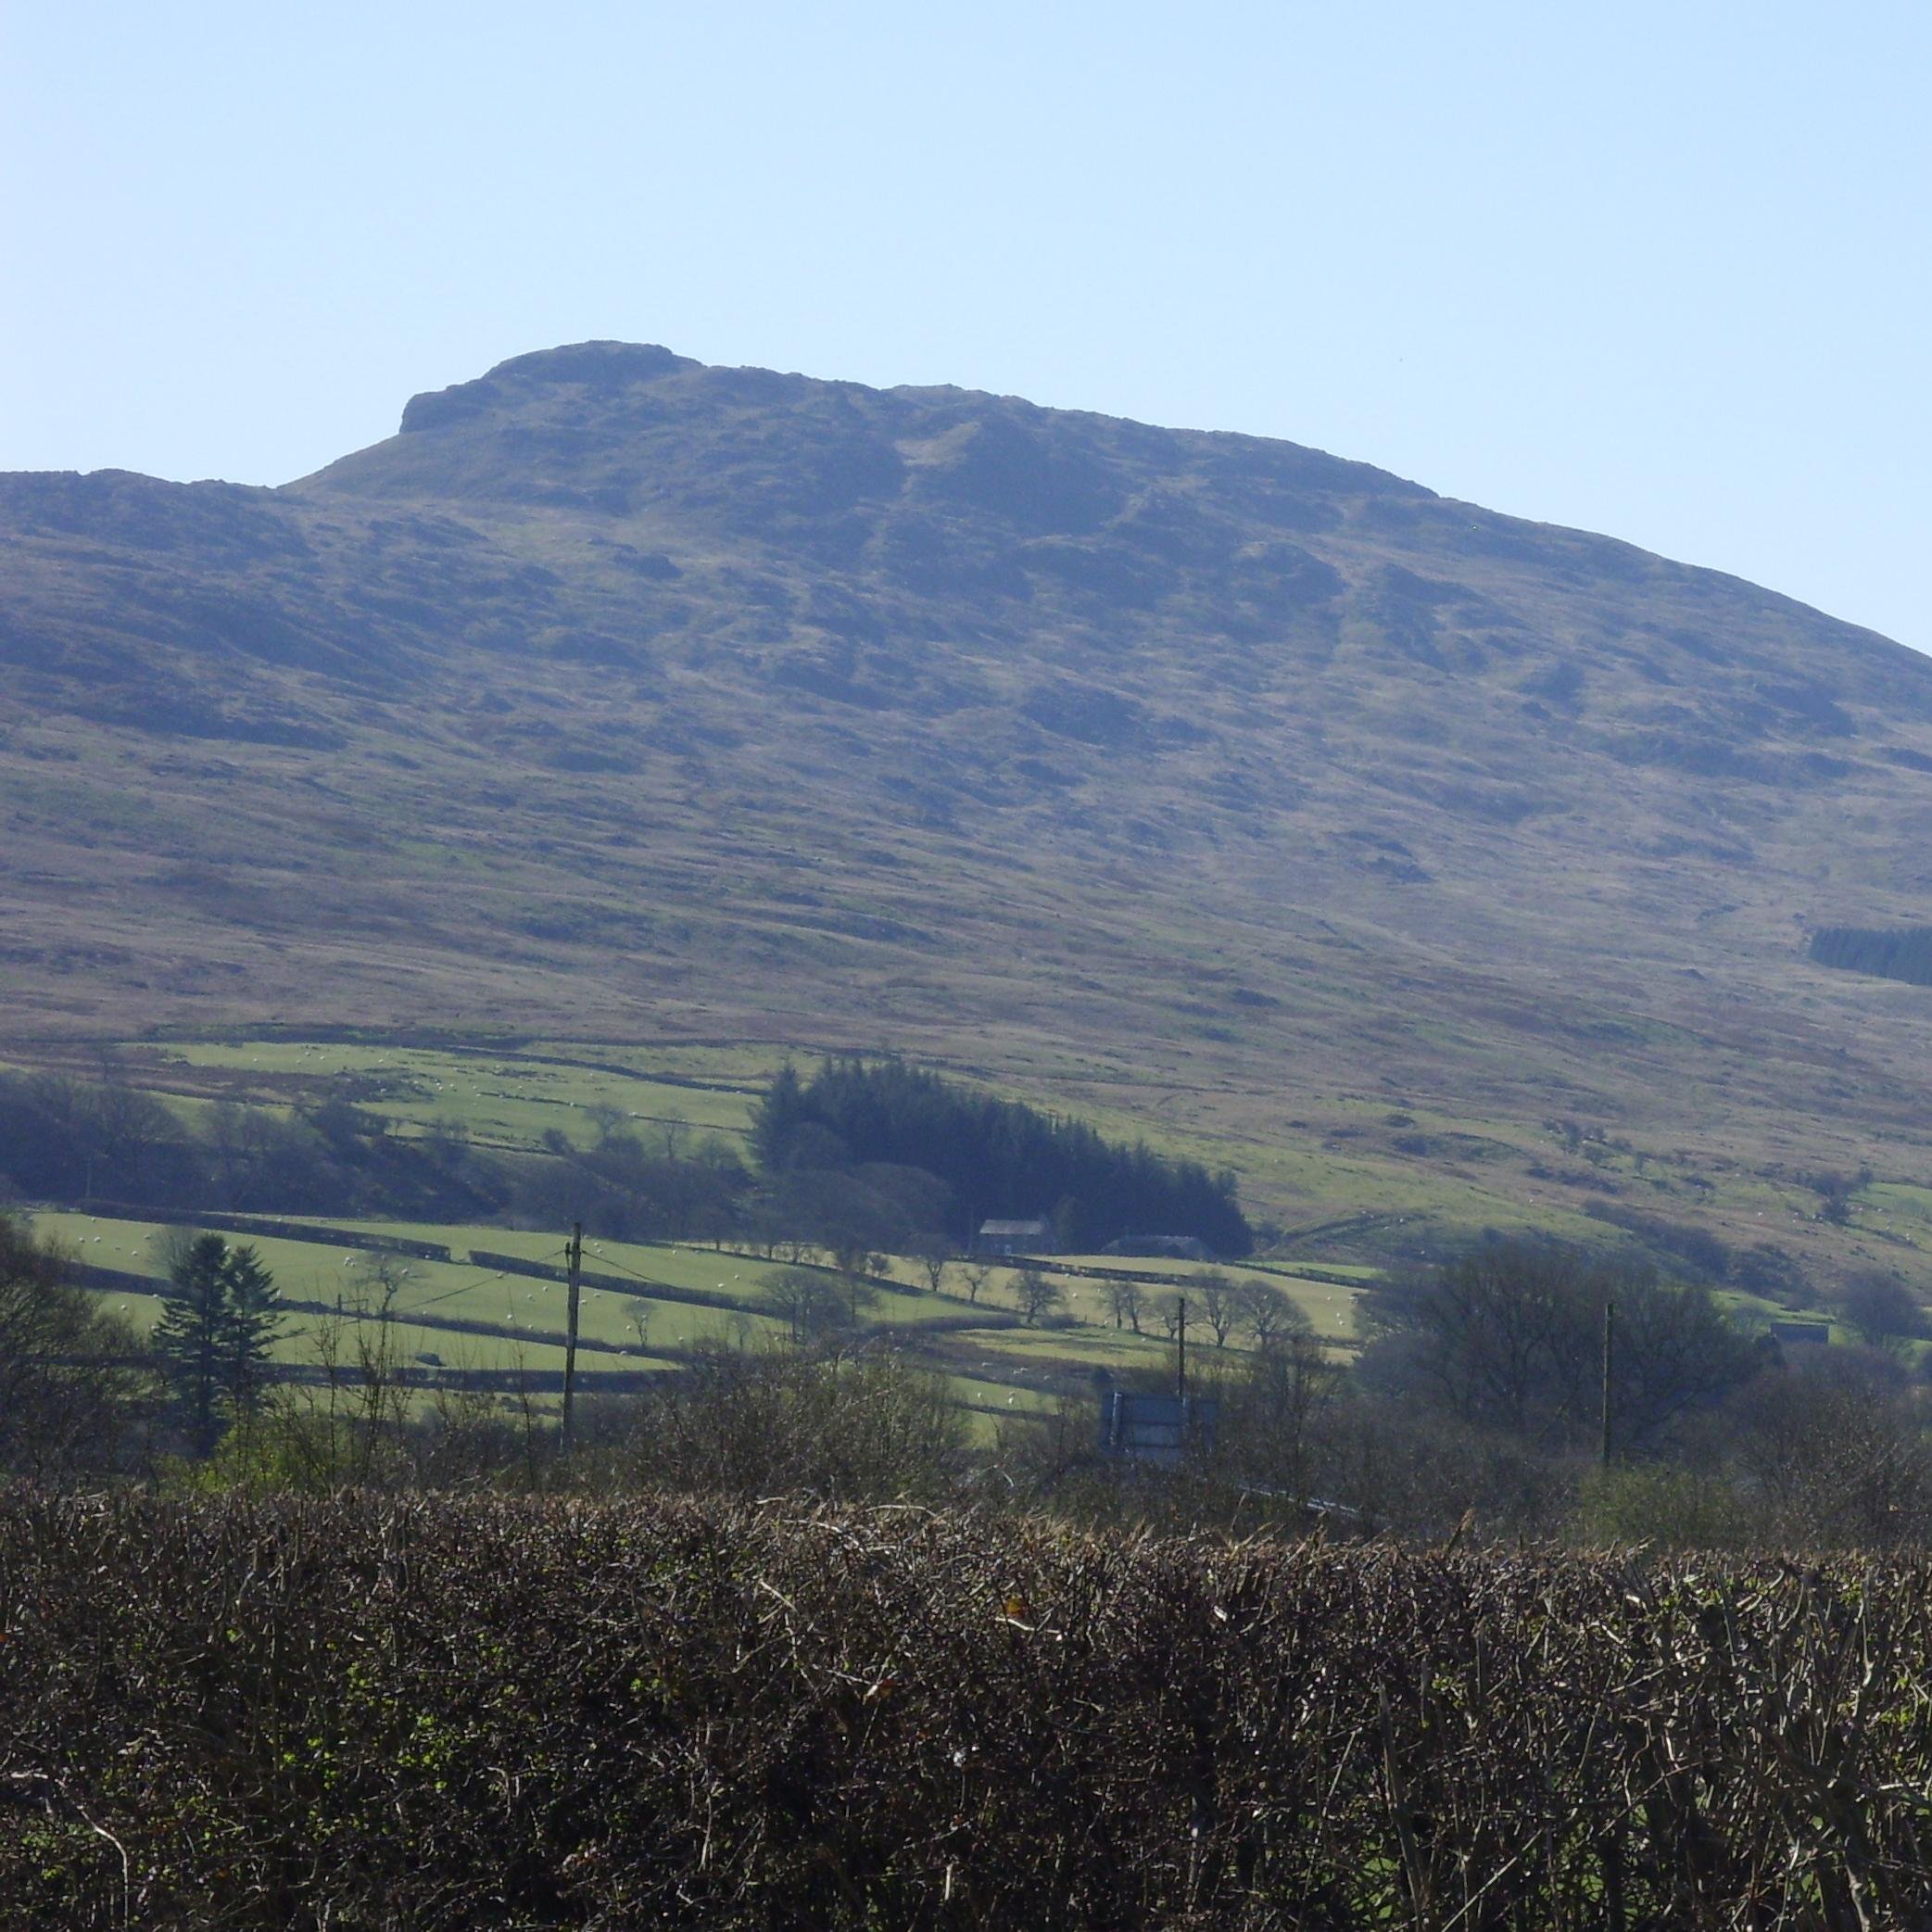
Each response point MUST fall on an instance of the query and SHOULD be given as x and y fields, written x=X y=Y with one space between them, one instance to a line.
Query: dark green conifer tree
x=252 y=1321
x=213 y=1339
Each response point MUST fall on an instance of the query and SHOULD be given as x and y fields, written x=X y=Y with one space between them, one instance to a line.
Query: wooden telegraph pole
x=1609 y=1357
x=576 y=1255
x=1180 y=1347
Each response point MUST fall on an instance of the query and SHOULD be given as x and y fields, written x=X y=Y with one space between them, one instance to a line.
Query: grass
x=1338 y=1162
x=1339 y=1173
x=992 y=1363
x=1340 y=1157
x=512 y=1097
x=500 y=1099
x=676 y=1265
x=1117 y=1349
x=1328 y=1307
x=433 y=1292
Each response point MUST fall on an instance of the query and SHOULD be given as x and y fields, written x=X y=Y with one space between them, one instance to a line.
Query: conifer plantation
x=996 y=1158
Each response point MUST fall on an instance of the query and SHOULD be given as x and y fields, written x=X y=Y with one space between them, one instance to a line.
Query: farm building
x=1034 y=1237
x=1177 y=1247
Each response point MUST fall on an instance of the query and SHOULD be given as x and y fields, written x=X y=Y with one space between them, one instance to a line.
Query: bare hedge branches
x=444 y=1714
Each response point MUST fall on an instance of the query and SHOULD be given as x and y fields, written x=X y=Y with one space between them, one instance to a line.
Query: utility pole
x=576 y=1257
x=1609 y=1357
x=1180 y=1347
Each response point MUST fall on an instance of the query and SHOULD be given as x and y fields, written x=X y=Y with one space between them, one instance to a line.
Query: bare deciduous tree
x=1886 y=1313
x=1036 y=1295
x=1269 y=1316
x=1510 y=1337
x=932 y=1252
x=1834 y=1456
x=70 y=1377
x=1219 y=1300
x=813 y=1306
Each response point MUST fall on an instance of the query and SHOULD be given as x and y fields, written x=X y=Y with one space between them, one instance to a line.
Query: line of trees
x=994 y=1158
x=63 y=1139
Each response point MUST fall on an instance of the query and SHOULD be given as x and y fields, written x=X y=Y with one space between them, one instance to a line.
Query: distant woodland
x=857 y=1158
x=995 y=1157
x=1902 y=953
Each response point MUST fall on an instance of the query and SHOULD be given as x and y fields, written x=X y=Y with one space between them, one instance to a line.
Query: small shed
x=1034 y=1237
x=1810 y=1332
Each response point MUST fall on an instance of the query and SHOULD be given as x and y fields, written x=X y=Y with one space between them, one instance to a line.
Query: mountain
x=1262 y=794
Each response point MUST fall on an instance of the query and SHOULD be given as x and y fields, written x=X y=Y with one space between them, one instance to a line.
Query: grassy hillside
x=1195 y=780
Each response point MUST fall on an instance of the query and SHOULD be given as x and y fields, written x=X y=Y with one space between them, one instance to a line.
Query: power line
x=647 y=1281
x=671 y=1288
x=480 y=1278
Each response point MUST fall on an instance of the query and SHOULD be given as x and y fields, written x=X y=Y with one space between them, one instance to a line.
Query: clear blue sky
x=1660 y=271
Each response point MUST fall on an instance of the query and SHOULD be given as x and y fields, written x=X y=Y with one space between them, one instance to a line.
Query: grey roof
x=1033 y=1227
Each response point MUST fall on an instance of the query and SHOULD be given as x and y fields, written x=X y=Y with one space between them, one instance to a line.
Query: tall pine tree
x=219 y=1323
x=252 y=1321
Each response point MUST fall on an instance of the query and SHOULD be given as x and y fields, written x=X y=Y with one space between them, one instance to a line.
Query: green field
x=523 y=1317
x=500 y=1099
x=1345 y=1160
x=1342 y=1180
x=462 y=1316
x=515 y=1097
x=1350 y=1180
x=511 y=1096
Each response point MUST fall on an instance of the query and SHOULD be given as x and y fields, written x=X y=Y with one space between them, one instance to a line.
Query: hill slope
x=618 y=696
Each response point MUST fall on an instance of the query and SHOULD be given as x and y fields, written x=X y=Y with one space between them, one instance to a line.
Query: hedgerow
x=436 y=1713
